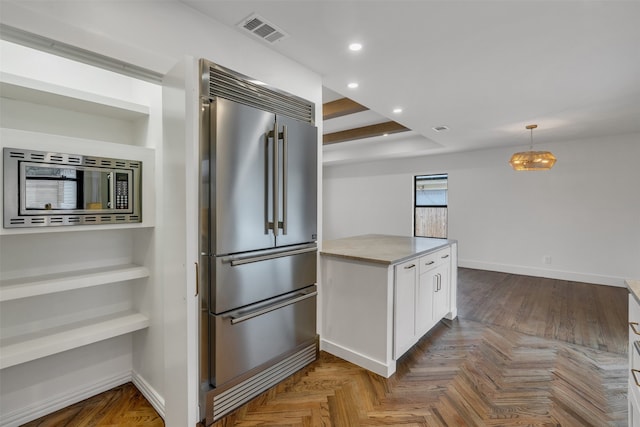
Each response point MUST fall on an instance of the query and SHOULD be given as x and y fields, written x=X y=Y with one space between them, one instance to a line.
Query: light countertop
x=382 y=249
x=634 y=288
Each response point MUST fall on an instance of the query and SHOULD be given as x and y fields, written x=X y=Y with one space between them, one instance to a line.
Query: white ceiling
x=483 y=68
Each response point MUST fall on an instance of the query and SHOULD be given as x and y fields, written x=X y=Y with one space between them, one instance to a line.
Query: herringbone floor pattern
x=462 y=374
x=523 y=352
x=121 y=406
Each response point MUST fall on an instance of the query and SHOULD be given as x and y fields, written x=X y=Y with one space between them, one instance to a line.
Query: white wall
x=157 y=35
x=584 y=213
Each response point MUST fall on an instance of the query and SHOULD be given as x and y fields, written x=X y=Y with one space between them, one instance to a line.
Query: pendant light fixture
x=532 y=160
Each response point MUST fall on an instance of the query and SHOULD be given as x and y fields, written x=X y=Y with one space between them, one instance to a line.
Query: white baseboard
x=358 y=358
x=540 y=272
x=62 y=400
x=156 y=400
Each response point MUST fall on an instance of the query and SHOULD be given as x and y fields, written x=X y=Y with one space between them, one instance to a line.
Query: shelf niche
x=22 y=349
x=26 y=89
x=24 y=287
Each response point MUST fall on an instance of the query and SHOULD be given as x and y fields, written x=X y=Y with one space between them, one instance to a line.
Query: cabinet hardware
x=429 y=263
x=634 y=327
x=635 y=377
x=197 y=279
x=407 y=267
x=445 y=256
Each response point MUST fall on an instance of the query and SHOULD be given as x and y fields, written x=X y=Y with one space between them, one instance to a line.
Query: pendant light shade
x=532 y=160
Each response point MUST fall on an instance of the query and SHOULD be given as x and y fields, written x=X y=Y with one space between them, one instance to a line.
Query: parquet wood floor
x=121 y=406
x=578 y=313
x=523 y=352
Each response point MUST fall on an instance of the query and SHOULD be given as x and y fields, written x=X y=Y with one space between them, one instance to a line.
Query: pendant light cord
x=531 y=143
x=531 y=128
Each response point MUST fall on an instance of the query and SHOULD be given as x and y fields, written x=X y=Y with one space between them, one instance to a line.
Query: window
x=430 y=211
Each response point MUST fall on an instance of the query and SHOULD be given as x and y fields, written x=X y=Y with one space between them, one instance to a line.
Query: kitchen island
x=380 y=294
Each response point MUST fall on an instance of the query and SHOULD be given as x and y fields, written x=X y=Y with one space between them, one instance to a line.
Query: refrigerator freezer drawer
x=250 y=278
x=250 y=337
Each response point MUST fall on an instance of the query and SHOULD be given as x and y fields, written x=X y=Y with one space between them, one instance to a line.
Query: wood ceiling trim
x=341 y=107
x=363 y=132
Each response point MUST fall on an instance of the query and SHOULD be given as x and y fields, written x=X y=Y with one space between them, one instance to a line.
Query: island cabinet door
x=404 y=328
x=441 y=287
x=427 y=283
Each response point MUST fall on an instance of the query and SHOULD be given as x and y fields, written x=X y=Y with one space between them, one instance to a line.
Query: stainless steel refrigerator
x=258 y=236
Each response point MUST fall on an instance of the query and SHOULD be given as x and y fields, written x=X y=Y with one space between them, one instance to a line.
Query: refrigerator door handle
x=237 y=317
x=267 y=224
x=284 y=179
x=271 y=254
x=276 y=179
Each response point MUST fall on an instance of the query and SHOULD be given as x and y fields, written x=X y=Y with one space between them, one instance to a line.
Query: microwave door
x=51 y=188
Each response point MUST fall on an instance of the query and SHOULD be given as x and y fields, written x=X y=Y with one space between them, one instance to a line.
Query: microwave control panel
x=122 y=191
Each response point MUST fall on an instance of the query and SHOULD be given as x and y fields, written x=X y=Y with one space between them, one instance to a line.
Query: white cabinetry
x=406 y=303
x=374 y=311
x=634 y=362
x=437 y=268
x=79 y=290
x=422 y=295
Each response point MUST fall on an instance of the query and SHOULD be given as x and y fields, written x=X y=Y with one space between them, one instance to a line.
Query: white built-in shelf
x=24 y=287
x=70 y=228
x=24 y=348
x=36 y=91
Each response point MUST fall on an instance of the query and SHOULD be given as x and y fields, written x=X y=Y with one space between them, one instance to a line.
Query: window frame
x=434 y=176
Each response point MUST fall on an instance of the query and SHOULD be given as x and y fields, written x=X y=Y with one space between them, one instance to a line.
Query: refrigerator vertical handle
x=267 y=171
x=276 y=179
x=284 y=179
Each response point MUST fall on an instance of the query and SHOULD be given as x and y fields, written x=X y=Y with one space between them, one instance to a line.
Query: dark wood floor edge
x=594 y=316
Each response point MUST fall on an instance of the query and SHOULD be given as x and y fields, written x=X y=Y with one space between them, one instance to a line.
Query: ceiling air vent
x=259 y=27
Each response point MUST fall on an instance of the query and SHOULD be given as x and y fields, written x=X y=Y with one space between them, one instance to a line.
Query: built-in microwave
x=49 y=189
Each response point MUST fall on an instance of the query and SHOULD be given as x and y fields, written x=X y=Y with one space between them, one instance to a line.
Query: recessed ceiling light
x=440 y=128
x=355 y=47
x=397 y=110
x=352 y=85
